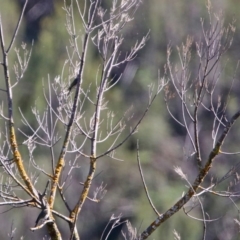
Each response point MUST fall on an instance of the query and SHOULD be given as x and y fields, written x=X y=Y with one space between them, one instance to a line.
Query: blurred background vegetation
x=161 y=139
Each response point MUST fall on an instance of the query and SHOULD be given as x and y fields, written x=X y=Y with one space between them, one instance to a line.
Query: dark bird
x=73 y=84
x=43 y=216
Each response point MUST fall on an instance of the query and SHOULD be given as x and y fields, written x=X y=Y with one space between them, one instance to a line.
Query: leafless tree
x=83 y=132
x=197 y=93
x=103 y=28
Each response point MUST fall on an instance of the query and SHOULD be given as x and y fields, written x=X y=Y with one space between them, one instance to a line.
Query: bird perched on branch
x=43 y=216
x=73 y=84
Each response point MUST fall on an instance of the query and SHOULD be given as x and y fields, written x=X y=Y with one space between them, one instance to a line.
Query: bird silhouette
x=43 y=216
x=73 y=84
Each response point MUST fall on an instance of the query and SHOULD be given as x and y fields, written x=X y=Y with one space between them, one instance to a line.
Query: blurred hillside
x=162 y=141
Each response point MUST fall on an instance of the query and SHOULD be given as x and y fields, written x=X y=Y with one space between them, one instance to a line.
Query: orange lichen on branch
x=87 y=184
x=19 y=162
x=55 y=181
x=199 y=179
x=86 y=188
x=53 y=231
x=191 y=191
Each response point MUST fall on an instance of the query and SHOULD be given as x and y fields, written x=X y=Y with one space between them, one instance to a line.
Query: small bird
x=43 y=216
x=73 y=84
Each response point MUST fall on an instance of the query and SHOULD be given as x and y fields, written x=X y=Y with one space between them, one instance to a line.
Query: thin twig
x=17 y=27
x=144 y=183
